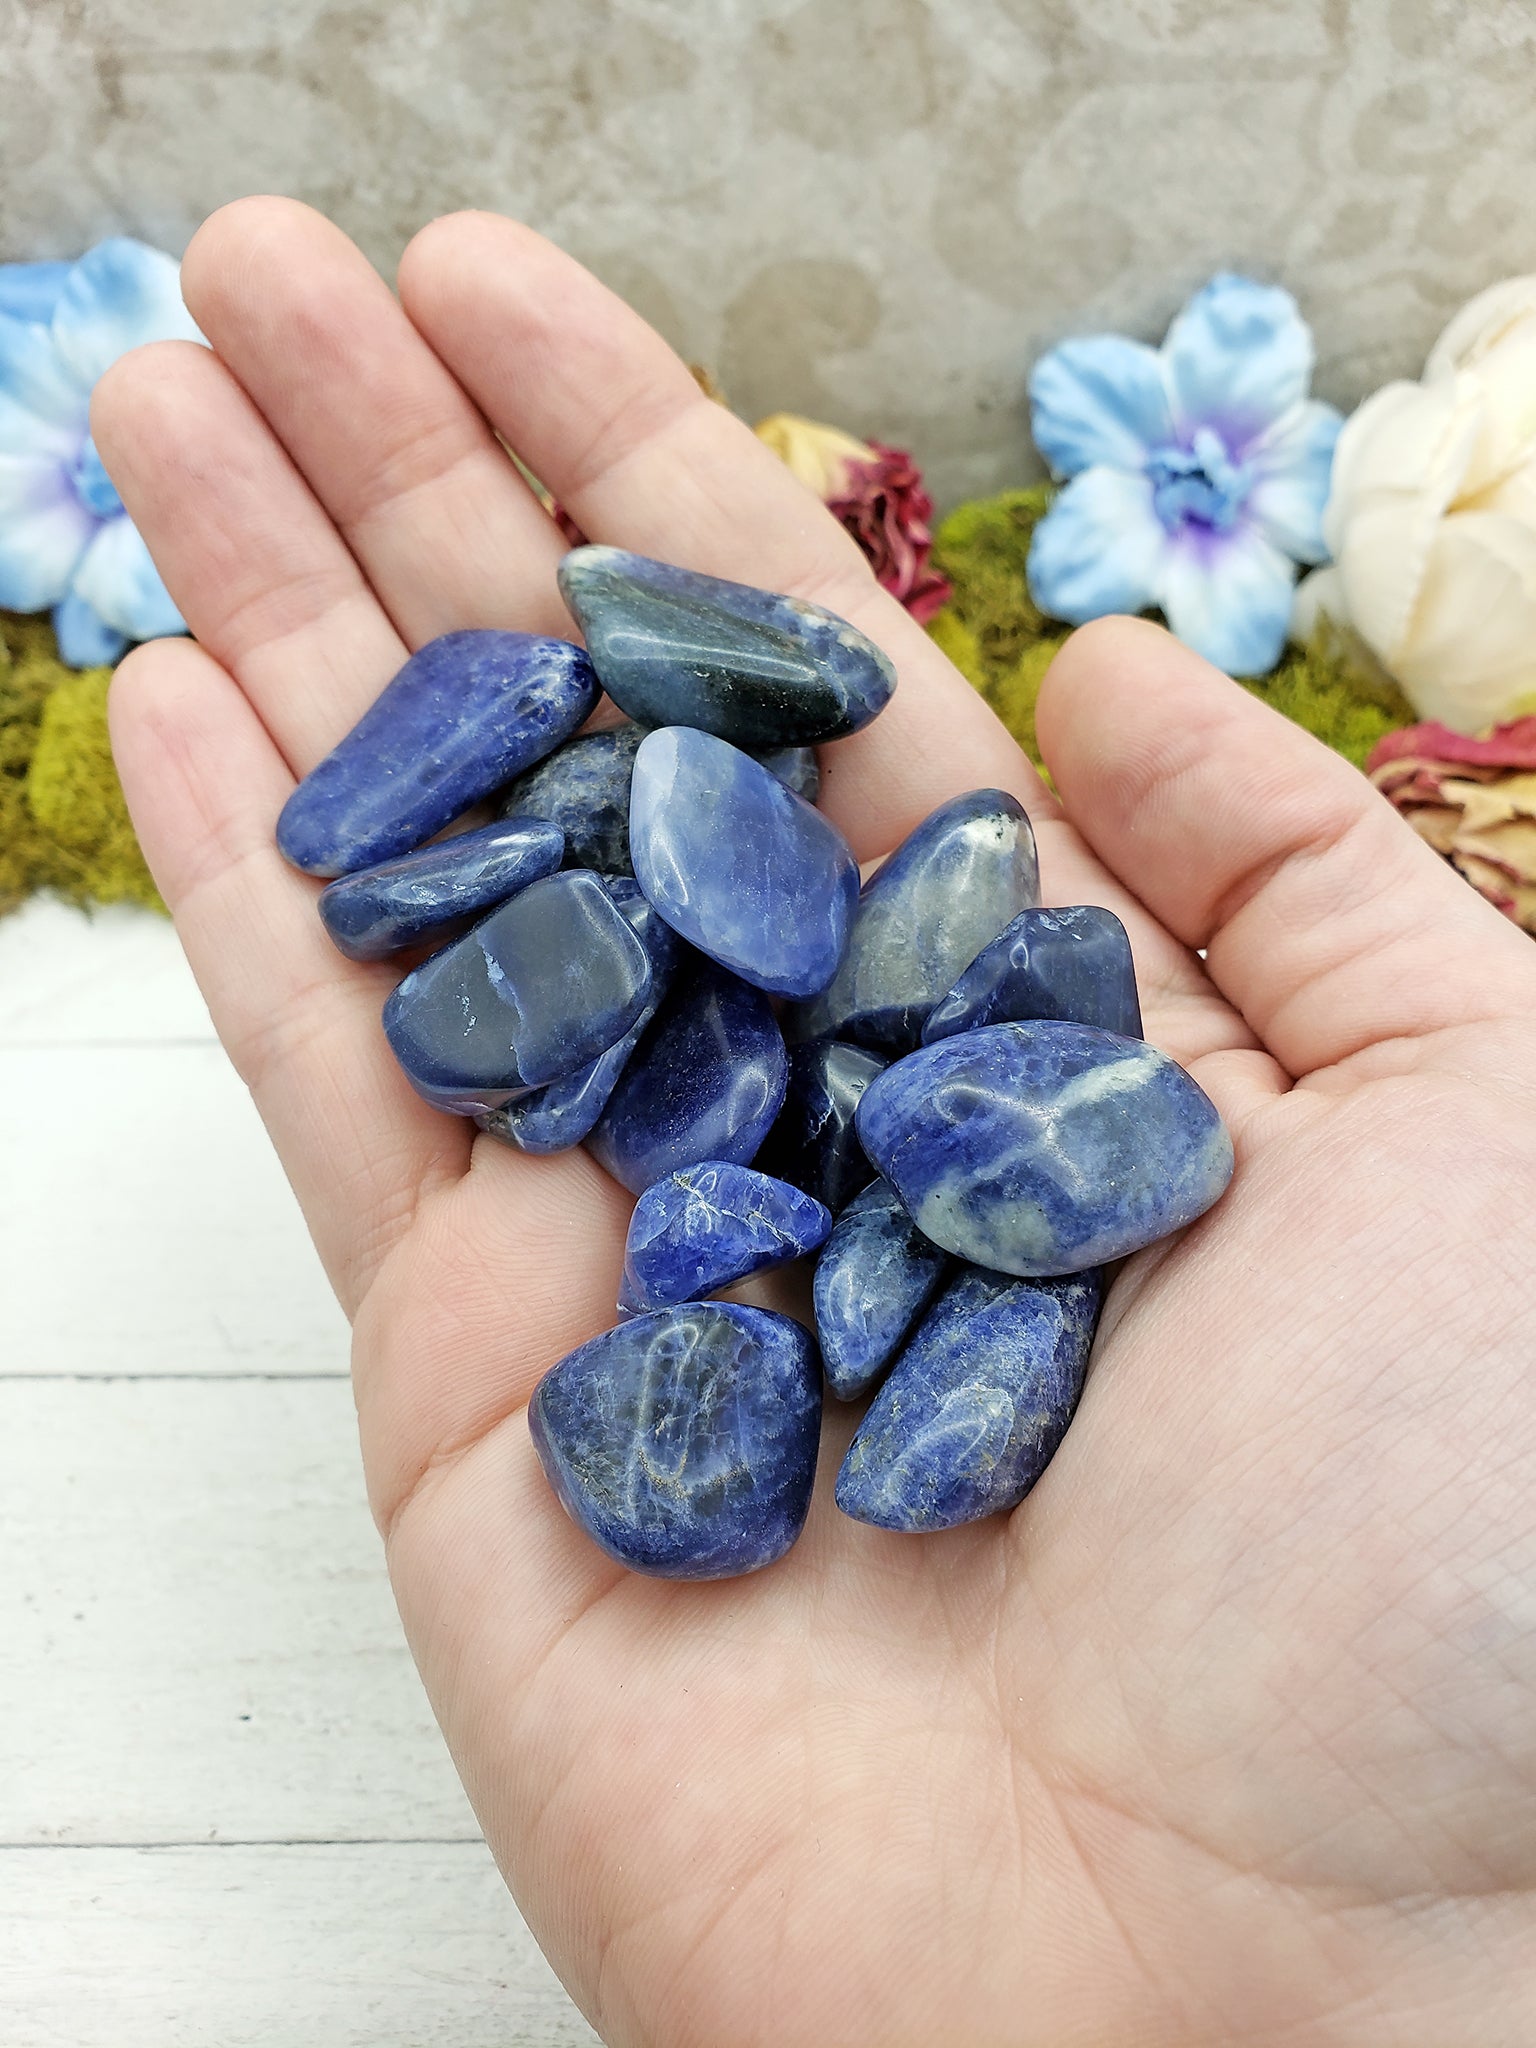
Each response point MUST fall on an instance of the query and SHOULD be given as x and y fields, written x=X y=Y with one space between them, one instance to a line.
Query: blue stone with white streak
x=559 y=1115
x=1072 y=965
x=1045 y=1148
x=708 y=1225
x=675 y=647
x=542 y=985
x=737 y=864
x=876 y=1274
x=814 y=1141
x=684 y=1442
x=946 y=892
x=466 y=713
x=705 y=1082
x=423 y=895
x=976 y=1405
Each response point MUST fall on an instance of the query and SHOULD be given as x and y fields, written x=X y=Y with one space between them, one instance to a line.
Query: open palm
x=1229 y=1733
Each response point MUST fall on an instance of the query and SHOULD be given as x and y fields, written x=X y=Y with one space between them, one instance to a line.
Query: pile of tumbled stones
x=661 y=950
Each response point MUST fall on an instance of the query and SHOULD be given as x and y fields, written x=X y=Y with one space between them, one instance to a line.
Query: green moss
x=1334 y=693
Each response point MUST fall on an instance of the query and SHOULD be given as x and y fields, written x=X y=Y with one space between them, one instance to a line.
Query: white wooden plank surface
x=413 y=1946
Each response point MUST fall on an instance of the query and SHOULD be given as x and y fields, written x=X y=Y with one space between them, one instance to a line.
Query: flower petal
x=818 y=454
x=1097 y=399
x=1099 y=549
x=120 y=294
x=30 y=291
x=1228 y=595
x=1482 y=324
x=1291 y=467
x=44 y=530
x=117 y=577
x=1319 y=595
x=1237 y=358
x=44 y=404
x=85 y=639
x=1470 y=660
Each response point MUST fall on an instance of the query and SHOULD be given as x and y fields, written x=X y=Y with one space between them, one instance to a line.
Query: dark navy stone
x=1045 y=1148
x=431 y=892
x=797 y=768
x=705 y=1082
x=976 y=1404
x=946 y=891
x=738 y=864
x=876 y=1274
x=466 y=713
x=684 y=1442
x=674 y=647
x=1071 y=965
x=558 y=1116
x=707 y=1225
x=541 y=986
x=814 y=1142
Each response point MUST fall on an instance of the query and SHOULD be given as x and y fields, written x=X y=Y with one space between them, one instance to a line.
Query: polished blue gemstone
x=1045 y=1148
x=946 y=891
x=559 y=1115
x=814 y=1142
x=876 y=1274
x=427 y=894
x=705 y=1226
x=674 y=647
x=737 y=864
x=1071 y=965
x=976 y=1404
x=705 y=1082
x=540 y=986
x=796 y=767
x=685 y=1442
x=466 y=713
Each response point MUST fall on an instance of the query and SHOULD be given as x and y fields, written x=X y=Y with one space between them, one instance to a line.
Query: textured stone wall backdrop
x=877 y=211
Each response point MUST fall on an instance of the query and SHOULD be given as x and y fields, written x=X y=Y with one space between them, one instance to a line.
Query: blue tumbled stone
x=976 y=1404
x=1070 y=965
x=559 y=1115
x=422 y=895
x=465 y=714
x=876 y=1274
x=1045 y=1148
x=541 y=986
x=684 y=1442
x=707 y=1225
x=796 y=767
x=705 y=1082
x=674 y=647
x=814 y=1142
x=737 y=864
x=946 y=892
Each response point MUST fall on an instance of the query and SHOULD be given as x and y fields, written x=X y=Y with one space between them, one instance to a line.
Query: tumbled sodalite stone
x=674 y=647
x=401 y=902
x=1045 y=1148
x=976 y=1404
x=684 y=1442
x=876 y=1274
x=559 y=1115
x=705 y=1082
x=1071 y=965
x=584 y=789
x=946 y=891
x=814 y=1142
x=705 y=1226
x=737 y=864
x=466 y=713
x=540 y=986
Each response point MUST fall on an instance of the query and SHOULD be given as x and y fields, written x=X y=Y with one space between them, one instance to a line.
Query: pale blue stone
x=737 y=864
x=423 y=895
x=685 y=1442
x=1045 y=1148
x=946 y=892
x=1071 y=965
x=975 y=1406
x=876 y=1274
x=708 y=1225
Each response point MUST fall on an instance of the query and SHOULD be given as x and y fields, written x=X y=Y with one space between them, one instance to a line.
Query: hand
x=1229 y=1733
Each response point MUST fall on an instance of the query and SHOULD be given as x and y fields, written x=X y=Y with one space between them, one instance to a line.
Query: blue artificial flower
x=66 y=544
x=1199 y=472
